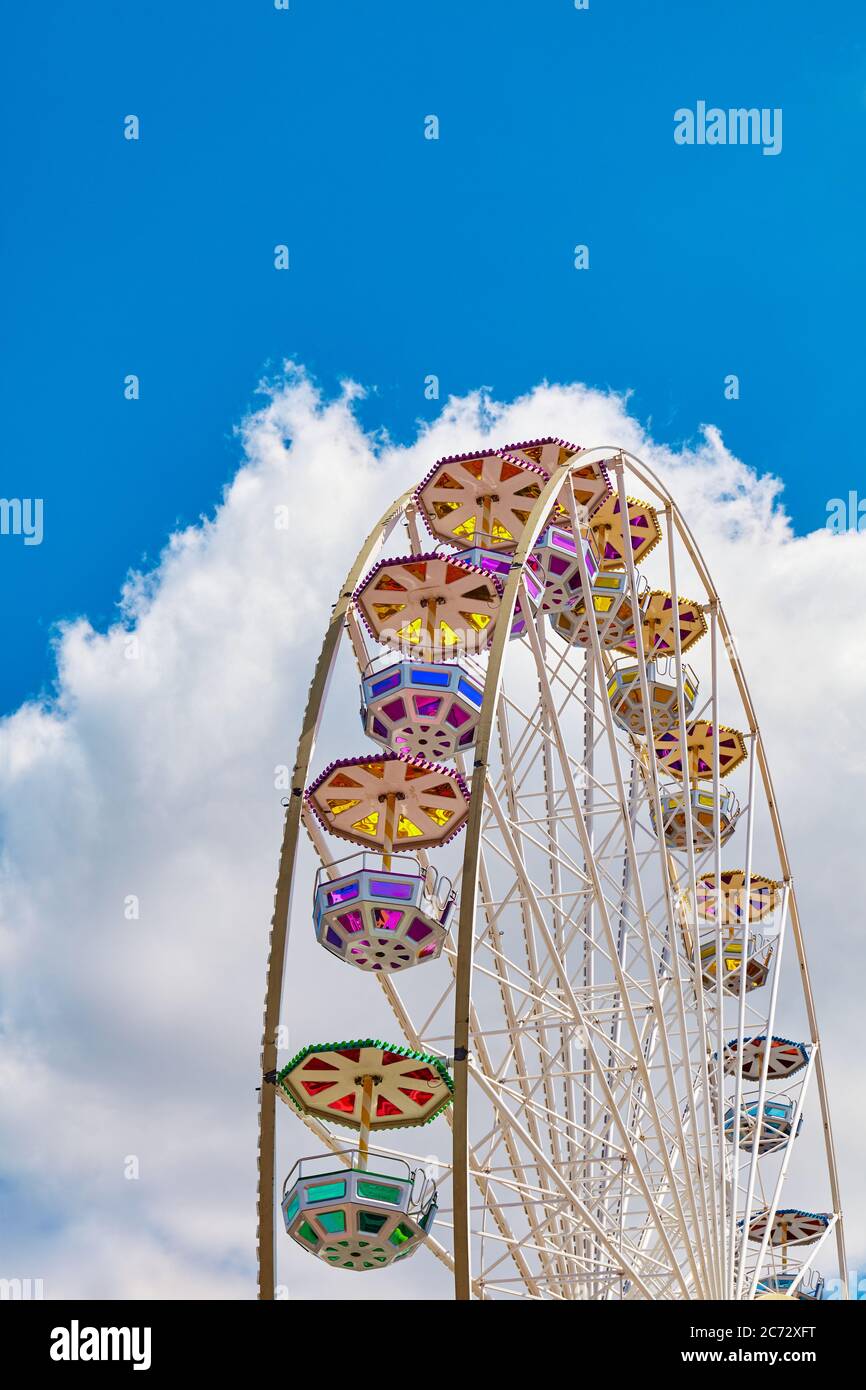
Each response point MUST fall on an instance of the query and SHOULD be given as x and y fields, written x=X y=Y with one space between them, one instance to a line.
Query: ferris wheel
x=554 y=848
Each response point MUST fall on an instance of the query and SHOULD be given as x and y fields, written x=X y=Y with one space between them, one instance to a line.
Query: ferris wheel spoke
x=533 y=1240
x=479 y=1043
x=547 y=1167
x=505 y=988
x=526 y=920
x=602 y=908
x=545 y=935
x=709 y=1242
x=506 y=992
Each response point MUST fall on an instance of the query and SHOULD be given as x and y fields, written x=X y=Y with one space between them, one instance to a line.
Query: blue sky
x=408 y=256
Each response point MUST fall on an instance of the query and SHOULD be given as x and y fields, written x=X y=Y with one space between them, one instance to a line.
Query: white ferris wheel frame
x=698 y=1214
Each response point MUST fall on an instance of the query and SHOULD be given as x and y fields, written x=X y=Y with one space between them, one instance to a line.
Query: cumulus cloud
x=140 y=826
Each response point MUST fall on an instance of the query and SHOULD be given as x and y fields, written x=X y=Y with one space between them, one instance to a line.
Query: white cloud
x=154 y=777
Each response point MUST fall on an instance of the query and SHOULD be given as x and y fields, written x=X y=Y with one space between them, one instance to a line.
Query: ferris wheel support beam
x=630 y=847
x=506 y=995
x=649 y=772
x=580 y=822
x=411 y=519
x=717 y=868
x=529 y=945
x=509 y=858
x=356 y=636
x=550 y=969
x=624 y=906
x=506 y=991
x=556 y=1178
x=469 y=881
x=705 y=1173
x=588 y=806
x=526 y=1241
x=516 y=1165
x=566 y=1049
x=710 y=1210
